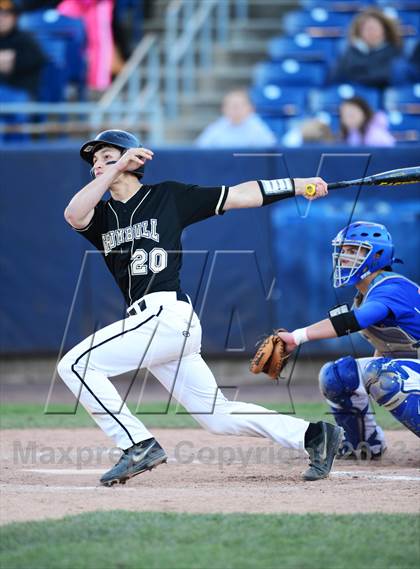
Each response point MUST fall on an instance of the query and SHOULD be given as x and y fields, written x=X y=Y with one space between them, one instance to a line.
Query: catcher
x=386 y=311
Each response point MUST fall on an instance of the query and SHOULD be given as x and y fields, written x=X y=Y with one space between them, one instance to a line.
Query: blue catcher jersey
x=389 y=315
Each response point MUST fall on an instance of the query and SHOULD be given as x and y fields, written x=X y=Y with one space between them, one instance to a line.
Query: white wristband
x=300 y=336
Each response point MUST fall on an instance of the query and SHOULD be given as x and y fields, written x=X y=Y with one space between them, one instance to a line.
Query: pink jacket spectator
x=377 y=133
x=97 y=15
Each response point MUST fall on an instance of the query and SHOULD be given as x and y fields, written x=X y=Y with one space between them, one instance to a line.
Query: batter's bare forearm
x=84 y=202
x=263 y=192
x=244 y=195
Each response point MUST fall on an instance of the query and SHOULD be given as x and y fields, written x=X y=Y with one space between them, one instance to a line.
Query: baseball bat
x=390 y=178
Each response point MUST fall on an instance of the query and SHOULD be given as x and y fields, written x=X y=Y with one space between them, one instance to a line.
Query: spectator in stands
x=127 y=27
x=360 y=126
x=414 y=63
x=373 y=50
x=309 y=131
x=21 y=58
x=30 y=5
x=97 y=15
x=239 y=126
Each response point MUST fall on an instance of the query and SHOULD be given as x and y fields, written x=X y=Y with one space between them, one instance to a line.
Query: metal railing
x=132 y=102
x=192 y=29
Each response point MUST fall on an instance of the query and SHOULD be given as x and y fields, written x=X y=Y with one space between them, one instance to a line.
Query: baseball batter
x=139 y=232
x=386 y=310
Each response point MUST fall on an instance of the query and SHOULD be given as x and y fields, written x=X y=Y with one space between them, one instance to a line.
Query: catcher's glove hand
x=271 y=356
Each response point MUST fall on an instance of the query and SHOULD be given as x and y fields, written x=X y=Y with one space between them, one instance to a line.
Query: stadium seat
x=302 y=47
x=336 y=5
x=275 y=101
x=409 y=20
x=318 y=22
x=405 y=128
x=332 y=120
x=54 y=76
x=50 y=26
x=290 y=73
x=329 y=99
x=399 y=4
x=405 y=99
x=276 y=124
x=11 y=95
x=409 y=45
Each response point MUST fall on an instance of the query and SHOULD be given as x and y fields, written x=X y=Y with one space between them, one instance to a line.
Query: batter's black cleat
x=135 y=460
x=322 y=449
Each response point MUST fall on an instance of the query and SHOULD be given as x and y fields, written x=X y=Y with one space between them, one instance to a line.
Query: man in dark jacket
x=21 y=58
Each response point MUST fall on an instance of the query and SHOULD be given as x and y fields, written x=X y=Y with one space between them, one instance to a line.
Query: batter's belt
x=155 y=298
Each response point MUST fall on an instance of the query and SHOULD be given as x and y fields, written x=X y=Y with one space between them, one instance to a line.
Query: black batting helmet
x=118 y=138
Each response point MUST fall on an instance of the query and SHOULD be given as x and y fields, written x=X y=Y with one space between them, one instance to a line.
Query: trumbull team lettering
x=140 y=230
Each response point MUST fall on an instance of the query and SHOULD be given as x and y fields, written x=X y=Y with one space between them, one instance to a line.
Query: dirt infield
x=45 y=475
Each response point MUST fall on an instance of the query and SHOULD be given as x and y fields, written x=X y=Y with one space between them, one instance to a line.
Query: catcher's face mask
x=350 y=262
x=361 y=249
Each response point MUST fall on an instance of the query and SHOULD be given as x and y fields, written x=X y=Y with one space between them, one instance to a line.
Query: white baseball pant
x=163 y=336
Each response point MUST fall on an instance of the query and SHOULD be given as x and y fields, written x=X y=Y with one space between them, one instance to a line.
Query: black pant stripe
x=97 y=346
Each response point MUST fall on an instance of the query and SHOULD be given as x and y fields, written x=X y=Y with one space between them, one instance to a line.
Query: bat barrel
x=391 y=178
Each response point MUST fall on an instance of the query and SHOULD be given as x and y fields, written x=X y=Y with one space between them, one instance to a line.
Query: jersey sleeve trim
x=83 y=228
x=222 y=200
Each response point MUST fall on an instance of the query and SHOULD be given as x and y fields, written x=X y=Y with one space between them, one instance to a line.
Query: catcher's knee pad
x=349 y=403
x=338 y=380
x=386 y=383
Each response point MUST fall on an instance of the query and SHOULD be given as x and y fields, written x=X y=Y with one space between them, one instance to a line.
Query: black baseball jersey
x=141 y=238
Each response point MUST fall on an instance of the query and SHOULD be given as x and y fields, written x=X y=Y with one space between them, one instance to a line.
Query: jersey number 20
x=156 y=261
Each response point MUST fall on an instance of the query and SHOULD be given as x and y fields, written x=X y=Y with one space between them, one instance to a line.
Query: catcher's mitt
x=271 y=356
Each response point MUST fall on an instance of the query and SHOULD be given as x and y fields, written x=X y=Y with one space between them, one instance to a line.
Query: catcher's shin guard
x=349 y=403
x=395 y=385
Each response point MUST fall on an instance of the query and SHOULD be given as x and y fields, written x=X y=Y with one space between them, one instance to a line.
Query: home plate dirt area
x=52 y=473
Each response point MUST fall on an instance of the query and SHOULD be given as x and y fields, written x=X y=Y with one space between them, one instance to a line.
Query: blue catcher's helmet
x=118 y=138
x=375 y=251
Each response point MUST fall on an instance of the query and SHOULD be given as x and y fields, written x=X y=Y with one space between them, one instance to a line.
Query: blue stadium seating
x=405 y=128
x=11 y=95
x=336 y=5
x=409 y=45
x=409 y=20
x=403 y=99
x=276 y=101
x=51 y=28
x=332 y=120
x=302 y=47
x=330 y=98
x=319 y=22
x=276 y=124
x=357 y=5
x=399 y=4
x=54 y=76
x=290 y=73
